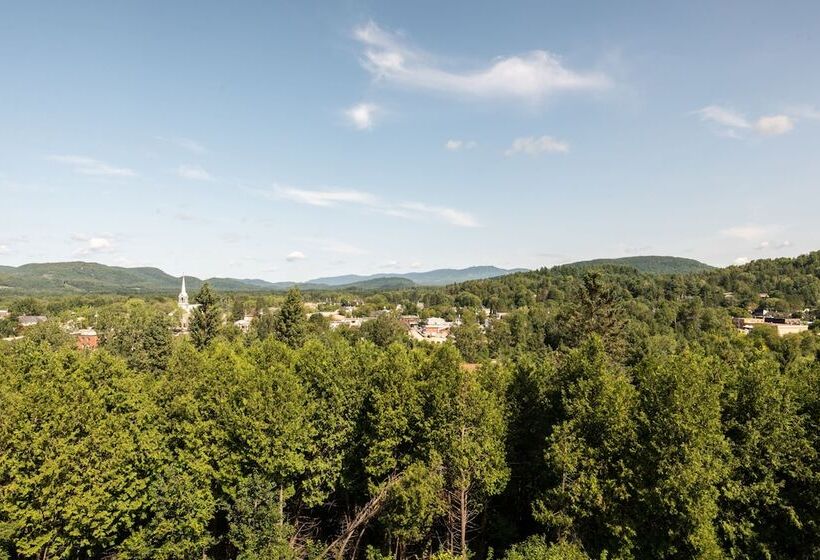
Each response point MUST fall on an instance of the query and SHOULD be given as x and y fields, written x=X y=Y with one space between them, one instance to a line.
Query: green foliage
x=290 y=324
x=614 y=414
x=384 y=330
x=205 y=320
x=537 y=548
x=138 y=333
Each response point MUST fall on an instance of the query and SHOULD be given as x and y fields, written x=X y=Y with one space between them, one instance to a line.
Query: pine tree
x=291 y=324
x=205 y=319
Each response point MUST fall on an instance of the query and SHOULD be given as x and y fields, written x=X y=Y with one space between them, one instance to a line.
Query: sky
x=292 y=140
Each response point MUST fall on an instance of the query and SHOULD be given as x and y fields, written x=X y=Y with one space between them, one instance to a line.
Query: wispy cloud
x=4 y=249
x=294 y=256
x=193 y=173
x=407 y=210
x=447 y=215
x=90 y=166
x=362 y=116
x=740 y=261
x=532 y=146
x=530 y=76
x=93 y=244
x=774 y=125
x=766 y=245
x=723 y=116
x=809 y=112
x=456 y=145
x=335 y=246
x=732 y=123
x=750 y=232
x=323 y=197
x=185 y=143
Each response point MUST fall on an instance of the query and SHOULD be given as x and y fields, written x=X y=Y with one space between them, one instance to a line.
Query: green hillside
x=438 y=277
x=391 y=283
x=651 y=264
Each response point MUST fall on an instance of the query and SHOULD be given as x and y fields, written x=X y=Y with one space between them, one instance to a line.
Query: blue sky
x=288 y=141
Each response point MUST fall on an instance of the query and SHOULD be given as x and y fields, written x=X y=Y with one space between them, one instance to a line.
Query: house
x=86 y=339
x=31 y=320
x=4 y=314
x=348 y=321
x=409 y=320
x=783 y=326
x=435 y=329
x=244 y=324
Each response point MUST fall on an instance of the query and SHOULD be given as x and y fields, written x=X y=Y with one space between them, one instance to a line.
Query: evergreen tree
x=205 y=319
x=290 y=324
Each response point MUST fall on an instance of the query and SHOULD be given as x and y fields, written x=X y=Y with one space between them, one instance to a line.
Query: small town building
x=31 y=320
x=185 y=308
x=436 y=326
x=783 y=326
x=409 y=320
x=244 y=324
x=4 y=314
x=86 y=339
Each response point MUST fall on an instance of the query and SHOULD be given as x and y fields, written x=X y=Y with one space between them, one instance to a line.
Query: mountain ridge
x=90 y=277
x=653 y=264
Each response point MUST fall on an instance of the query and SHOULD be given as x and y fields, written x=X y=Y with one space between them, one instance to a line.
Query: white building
x=244 y=324
x=185 y=308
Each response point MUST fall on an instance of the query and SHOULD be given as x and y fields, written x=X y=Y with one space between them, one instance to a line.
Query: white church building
x=185 y=308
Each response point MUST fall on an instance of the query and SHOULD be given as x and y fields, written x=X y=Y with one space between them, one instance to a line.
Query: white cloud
x=92 y=244
x=531 y=145
x=390 y=264
x=185 y=143
x=447 y=215
x=363 y=115
x=723 y=116
x=323 y=197
x=415 y=264
x=193 y=173
x=340 y=247
x=774 y=125
x=4 y=250
x=531 y=76
x=407 y=210
x=762 y=245
x=733 y=123
x=335 y=246
x=456 y=145
x=749 y=232
x=808 y=112
x=741 y=261
x=294 y=256
x=784 y=244
x=90 y=166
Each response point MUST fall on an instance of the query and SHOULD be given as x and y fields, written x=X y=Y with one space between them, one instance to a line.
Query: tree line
x=590 y=423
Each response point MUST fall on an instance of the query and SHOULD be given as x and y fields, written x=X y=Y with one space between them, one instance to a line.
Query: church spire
x=183 y=295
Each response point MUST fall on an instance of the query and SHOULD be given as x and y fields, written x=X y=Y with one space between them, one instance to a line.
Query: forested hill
x=784 y=284
x=650 y=263
x=87 y=277
x=438 y=277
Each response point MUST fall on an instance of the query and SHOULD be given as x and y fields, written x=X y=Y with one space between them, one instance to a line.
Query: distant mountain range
x=85 y=277
x=440 y=277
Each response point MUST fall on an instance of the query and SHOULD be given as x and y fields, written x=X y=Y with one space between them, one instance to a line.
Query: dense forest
x=577 y=413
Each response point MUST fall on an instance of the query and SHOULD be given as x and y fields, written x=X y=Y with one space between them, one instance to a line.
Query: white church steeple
x=182 y=300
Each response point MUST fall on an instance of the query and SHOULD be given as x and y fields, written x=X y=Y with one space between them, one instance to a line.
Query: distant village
x=431 y=329
x=347 y=315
